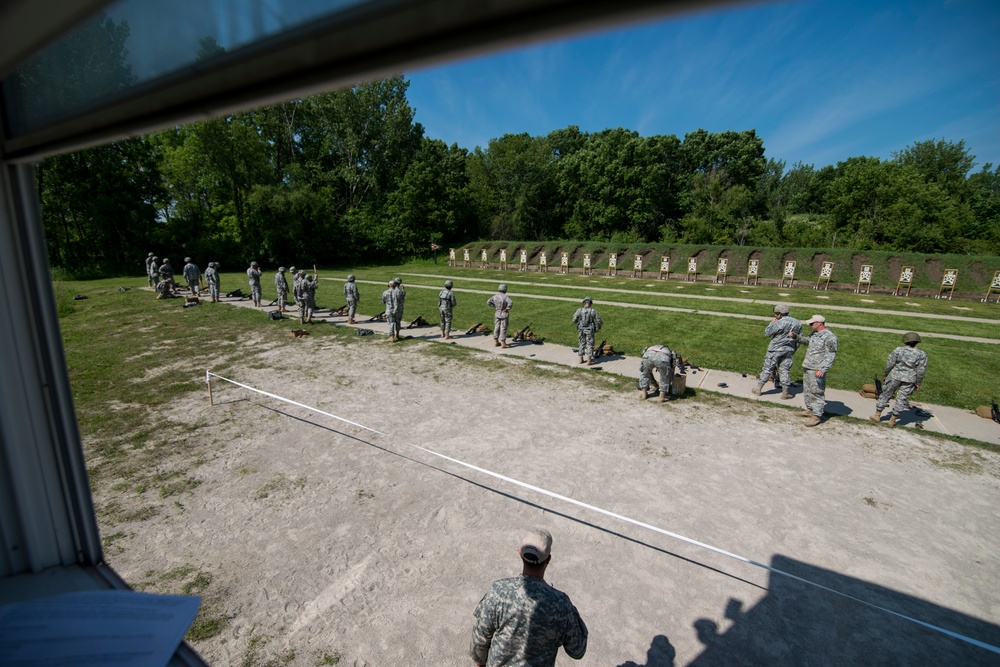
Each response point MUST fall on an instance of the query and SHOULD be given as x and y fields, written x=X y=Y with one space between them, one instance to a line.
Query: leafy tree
x=739 y=156
x=942 y=162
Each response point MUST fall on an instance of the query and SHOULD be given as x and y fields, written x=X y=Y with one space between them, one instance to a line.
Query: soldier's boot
x=876 y=416
x=812 y=421
x=496 y=342
x=804 y=413
x=581 y=359
x=892 y=420
x=785 y=395
x=643 y=394
x=590 y=362
x=504 y=344
x=350 y=320
x=663 y=396
x=755 y=391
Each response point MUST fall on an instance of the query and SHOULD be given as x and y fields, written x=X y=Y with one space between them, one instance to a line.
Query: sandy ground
x=326 y=543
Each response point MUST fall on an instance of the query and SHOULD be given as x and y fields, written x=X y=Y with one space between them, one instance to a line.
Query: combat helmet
x=911 y=337
x=254 y=264
x=350 y=278
x=397 y=281
x=502 y=288
x=281 y=269
x=187 y=260
x=448 y=284
x=587 y=299
x=781 y=309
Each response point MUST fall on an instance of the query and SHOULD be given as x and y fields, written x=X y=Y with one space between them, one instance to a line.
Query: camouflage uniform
x=820 y=356
x=587 y=322
x=446 y=303
x=281 y=287
x=297 y=286
x=352 y=296
x=191 y=274
x=253 y=277
x=780 y=351
x=904 y=370
x=388 y=298
x=662 y=359
x=150 y=265
x=501 y=304
x=307 y=299
x=153 y=272
x=523 y=621
x=166 y=273
x=398 y=297
x=212 y=278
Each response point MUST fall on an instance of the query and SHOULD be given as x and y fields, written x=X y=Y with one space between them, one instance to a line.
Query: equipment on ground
x=476 y=329
x=378 y=318
x=520 y=334
x=298 y=333
x=878 y=386
x=341 y=311
x=275 y=315
x=419 y=322
x=236 y=293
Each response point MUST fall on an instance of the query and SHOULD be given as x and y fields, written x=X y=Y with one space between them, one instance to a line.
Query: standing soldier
x=662 y=359
x=281 y=287
x=398 y=296
x=587 y=322
x=253 y=277
x=780 y=351
x=154 y=271
x=904 y=371
x=192 y=274
x=150 y=262
x=446 y=303
x=501 y=305
x=821 y=354
x=295 y=278
x=212 y=278
x=166 y=272
x=390 y=311
x=307 y=299
x=352 y=296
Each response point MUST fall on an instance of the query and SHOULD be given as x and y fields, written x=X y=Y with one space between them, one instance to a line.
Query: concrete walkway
x=935 y=418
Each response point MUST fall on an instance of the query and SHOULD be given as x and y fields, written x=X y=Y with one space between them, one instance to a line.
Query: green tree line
x=349 y=176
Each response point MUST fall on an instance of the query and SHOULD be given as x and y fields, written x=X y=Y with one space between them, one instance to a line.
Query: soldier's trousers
x=445 y=322
x=662 y=363
x=814 y=392
x=306 y=308
x=393 y=323
x=282 y=300
x=783 y=362
x=902 y=391
x=500 y=328
x=352 y=308
x=255 y=293
x=213 y=290
x=586 y=342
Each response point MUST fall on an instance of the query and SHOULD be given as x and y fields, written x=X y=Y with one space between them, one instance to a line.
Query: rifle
x=378 y=318
x=341 y=311
x=878 y=386
x=475 y=329
x=995 y=411
x=520 y=334
x=419 y=322
x=598 y=349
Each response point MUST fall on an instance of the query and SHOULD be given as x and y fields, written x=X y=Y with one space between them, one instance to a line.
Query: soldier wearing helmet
x=399 y=297
x=780 y=351
x=388 y=298
x=150 y=262
x=253 y=277
x=192 y=274
x=446 y=304
x=352 y=296
x=153 y=269
x=904 y=371
x=307 y=298
x=212 y=279
x=587 y=322
x=166 y=272
x=501 y=305
x=281 y=287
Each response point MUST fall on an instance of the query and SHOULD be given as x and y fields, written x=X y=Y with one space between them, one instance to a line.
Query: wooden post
x=948 y=283
x=564 y=263
x=825 y=272
x=788 y=274
x=865 y=278
x=905 y=278
x=692 y=274
x=722 y=270
x=586 y=264
x=664 y=267
x=994 y=287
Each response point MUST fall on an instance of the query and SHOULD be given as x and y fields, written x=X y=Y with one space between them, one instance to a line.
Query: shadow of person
x=837 y=408
x=661 y=653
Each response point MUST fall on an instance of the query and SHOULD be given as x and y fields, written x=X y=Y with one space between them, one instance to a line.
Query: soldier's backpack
x=275 y=315
x=868 y=391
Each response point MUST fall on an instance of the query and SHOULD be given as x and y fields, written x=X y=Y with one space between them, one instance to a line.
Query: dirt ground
x=315 y=542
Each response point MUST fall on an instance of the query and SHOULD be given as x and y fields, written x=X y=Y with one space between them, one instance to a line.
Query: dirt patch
x=310 y=538
x=934 y=269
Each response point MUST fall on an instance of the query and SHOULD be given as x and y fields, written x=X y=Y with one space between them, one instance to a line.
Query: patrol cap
x=781 y=308
x=350 y=278
x=587 y=299
x=911 y=337
x=816 y=319
x=448 y=284
x=502 y=288
x=536 y=546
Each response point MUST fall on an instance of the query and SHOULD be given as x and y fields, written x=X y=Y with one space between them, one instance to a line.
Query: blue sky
x=820 y=81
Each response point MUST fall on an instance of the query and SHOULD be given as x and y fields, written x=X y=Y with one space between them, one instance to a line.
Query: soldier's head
x=292 y=270
x=156 y=259
x=281 y=269
x=254 y=264
x=309 y=278
x=816 y=322
x=350 y=278
x=302 y=272
x=448 y=284
x=502 y=289
x=149 y=255
x=781 y=309
x=911 y=338
x=166 y=260
x=587 y=301
x=187 y=260
x=397 y=281
x=536 y=549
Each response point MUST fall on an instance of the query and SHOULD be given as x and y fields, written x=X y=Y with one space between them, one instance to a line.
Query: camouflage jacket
x=523 y=621
x=398 y=298
x=253 y=276
x=191 y=273
x=446 y=300
x=778 y=331
x=587 y=319
x=822 y=350
x=280 y=283
x=211 y=276
x=906 y=364
x=351 y=292
x=389 y=301
x=501 y=303
x=166 y=272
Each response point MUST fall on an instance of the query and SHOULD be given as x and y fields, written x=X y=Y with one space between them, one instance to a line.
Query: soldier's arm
x=921 y=369
x=831 y=353
x=482 y=633
x=890 y=363
x=576 y=636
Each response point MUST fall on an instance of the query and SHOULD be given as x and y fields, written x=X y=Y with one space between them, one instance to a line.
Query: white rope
x=634 y=522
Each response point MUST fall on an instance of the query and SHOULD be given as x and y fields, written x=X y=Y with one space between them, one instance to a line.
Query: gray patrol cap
x=781 y=308
x=536 y=546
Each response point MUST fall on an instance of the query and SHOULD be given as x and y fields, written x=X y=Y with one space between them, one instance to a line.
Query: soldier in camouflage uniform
x=524 y=620
x=212 y=279
x=253 y=277
x=398 y=298
x=587 y=322
x=352 y=296
x=904 y=371
x=281 y=287
x=820 y=356
x=307 y=299
x=388 y=299
x=501 y=305
x=166 y=272
x=154 y=271
x=295 y=277
x=660 y=358
x=150 y=263
x=192 y=275
x=446 y=304
x=780 y=351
